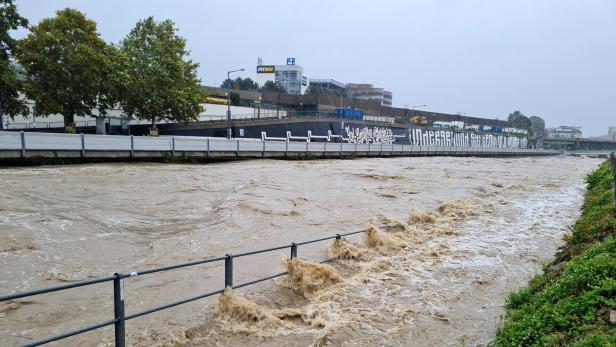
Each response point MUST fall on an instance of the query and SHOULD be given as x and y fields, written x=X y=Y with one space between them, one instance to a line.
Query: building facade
x=565 y=132
x=290 y=77
x=365 y=91
x=334 y=86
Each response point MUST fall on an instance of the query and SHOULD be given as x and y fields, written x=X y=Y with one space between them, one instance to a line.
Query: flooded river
x=470 y=230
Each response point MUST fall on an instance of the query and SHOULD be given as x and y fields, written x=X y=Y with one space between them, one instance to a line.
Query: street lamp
x=229 y=101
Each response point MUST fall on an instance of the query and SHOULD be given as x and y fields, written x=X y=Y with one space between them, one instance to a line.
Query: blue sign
x=290 y=61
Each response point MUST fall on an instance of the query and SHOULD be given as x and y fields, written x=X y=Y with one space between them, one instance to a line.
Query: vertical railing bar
x=23 y=144
x=132 y=146
x=83 y=146
x=118 y=309
x=263 y=150
x=293 y=250
x=286 y=148
x=228 y=270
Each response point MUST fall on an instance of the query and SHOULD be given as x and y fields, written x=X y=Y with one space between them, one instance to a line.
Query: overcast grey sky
x=551 y=58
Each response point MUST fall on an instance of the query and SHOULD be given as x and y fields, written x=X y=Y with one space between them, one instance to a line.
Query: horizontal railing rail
x=118 y=288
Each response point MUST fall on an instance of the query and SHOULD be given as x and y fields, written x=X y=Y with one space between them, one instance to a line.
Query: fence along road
x=16 y=145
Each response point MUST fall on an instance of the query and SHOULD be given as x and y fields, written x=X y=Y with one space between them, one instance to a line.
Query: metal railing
x=120 y=316
x=21 y=143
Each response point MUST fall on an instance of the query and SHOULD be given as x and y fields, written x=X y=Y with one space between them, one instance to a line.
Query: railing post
x=286 y=147
x=173 y=146
x=341 y=148
x=228 y=270
x=369 y=145
x=207 y=147
x=132 y=147
x=237 y=148
x=118 y=309
x=23 y=144
x=83 y=146
x=381 y=150
x=293 y=250
x=263 y=149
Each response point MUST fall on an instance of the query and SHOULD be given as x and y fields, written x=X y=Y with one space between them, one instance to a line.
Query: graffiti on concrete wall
x=369 y=135
x=425 y=137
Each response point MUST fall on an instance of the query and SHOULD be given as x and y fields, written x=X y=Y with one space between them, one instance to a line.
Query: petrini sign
x=425 y=137
x=266 y=69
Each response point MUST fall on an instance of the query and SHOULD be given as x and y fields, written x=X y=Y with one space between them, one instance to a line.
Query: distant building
x=611 y=134
x=565 y=132
x=328 y=84
x=291 y=77
x=365 y=91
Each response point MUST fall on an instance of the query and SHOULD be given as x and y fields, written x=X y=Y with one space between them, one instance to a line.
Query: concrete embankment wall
x=22 y=148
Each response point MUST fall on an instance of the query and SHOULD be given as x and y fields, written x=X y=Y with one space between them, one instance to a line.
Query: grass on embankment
x=570 y=303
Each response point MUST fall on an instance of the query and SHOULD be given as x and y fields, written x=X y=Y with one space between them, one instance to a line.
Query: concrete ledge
x=14 y=157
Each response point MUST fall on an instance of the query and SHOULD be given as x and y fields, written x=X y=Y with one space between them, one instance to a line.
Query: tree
x=240 y=84
x=70 y=69
x=518 y=120
x=235 y=99
x=270 y=86
x=161 y=84
x=10 y=85
x=538 y=125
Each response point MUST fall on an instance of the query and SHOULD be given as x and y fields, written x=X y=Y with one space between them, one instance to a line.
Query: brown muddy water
x=466 y=231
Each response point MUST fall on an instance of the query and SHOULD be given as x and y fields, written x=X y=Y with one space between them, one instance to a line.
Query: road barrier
x=14 y=145
x=120 y=317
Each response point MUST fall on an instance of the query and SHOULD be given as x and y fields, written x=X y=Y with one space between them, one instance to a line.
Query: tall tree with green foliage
x=162 y=84
x=518 y=120
x=70 y=69
x=240 y=83
x=273 y=87
x=538 y=125
x=10 y=85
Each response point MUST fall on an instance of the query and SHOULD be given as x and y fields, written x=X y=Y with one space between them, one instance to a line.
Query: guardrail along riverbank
x=573 y=302
x=117 y=279
x=31 y=147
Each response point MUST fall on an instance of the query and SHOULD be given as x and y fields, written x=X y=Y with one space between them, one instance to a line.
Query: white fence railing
x=34 y=141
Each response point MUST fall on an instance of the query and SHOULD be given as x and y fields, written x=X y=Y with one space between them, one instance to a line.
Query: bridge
x=19 y=146
x=590 y=153
x=580 y=144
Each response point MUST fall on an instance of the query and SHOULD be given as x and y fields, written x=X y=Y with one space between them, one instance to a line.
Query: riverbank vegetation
x=573 y=303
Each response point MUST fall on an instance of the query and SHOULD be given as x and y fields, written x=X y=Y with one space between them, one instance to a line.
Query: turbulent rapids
x=446 y=239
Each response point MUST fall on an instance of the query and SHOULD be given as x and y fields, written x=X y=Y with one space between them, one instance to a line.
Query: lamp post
x=229 y=102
